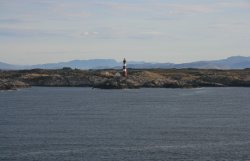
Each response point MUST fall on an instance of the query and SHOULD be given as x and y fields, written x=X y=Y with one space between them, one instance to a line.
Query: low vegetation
x=137 y=78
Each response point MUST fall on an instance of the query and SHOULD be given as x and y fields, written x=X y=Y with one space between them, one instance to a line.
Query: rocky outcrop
x=117 y=83
x=112 y=79
x=12 y=84
x=157 y=83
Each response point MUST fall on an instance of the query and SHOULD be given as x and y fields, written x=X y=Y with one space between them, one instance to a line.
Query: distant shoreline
x=137 y=78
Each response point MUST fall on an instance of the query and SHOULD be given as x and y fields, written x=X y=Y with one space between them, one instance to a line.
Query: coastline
x=112 y=79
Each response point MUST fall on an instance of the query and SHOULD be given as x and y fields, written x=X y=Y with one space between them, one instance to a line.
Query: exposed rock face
x=112 y=79
x=117 y=83
x=12 y=84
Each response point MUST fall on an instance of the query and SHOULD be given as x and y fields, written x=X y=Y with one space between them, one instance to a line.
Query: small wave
x=139 y=148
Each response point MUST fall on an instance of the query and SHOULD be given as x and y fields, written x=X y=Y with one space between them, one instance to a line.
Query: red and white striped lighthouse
x=125 y=71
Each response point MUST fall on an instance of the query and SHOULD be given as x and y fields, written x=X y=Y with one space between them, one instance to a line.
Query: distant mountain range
x=235 y=62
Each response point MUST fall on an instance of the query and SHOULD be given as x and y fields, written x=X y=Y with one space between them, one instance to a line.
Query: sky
x=177 y=31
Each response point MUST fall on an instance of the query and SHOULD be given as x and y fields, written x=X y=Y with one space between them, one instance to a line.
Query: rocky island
x=113 y=79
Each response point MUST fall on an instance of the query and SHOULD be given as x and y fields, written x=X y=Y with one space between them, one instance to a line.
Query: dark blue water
x=82 y=124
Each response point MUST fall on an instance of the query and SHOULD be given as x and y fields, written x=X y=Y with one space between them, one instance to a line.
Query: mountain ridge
x=233 y=62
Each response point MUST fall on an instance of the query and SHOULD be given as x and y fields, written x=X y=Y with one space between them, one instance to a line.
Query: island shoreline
x=113 y=79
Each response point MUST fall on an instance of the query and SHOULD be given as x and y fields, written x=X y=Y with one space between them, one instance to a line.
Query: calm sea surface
x=84 y=124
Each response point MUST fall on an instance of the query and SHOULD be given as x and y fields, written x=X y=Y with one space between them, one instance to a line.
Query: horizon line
x=141 y=61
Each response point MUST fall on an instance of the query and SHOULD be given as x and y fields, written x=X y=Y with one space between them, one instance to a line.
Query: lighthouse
x=125 y=71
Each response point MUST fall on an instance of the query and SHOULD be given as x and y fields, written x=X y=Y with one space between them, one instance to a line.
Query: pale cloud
x=29 y=32
x=239 y=5
x=113 y=33
x=67 y=10
x=187 y=9
x=39 y=10
x=153 y=33
x=12 y=21
x=173 y=8
x=89 y=33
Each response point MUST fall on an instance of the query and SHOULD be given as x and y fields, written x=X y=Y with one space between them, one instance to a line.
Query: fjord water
x=75 y=124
